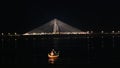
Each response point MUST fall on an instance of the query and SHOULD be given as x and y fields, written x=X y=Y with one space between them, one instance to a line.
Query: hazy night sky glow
x=22 y=16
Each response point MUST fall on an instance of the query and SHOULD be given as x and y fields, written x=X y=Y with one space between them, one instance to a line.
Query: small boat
x=53 y=54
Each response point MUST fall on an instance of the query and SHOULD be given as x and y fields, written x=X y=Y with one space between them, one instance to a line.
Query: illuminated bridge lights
x=55 y=27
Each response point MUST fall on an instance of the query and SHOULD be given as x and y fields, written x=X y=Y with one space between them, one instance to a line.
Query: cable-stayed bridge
x=55 y=26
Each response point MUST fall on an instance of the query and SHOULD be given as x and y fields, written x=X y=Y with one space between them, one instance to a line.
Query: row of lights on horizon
x=103 y=32
x=9 y=34
x=87 y=32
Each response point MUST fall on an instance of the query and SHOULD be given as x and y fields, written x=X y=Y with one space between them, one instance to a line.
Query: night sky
x=22 y=16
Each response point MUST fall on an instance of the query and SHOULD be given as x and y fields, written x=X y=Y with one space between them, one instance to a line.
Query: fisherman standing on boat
x=52 y=52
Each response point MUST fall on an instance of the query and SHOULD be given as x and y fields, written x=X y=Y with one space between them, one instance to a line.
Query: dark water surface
x=75 y=51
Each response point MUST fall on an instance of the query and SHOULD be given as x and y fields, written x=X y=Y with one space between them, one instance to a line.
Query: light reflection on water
x=52 y=60
x=86 y=50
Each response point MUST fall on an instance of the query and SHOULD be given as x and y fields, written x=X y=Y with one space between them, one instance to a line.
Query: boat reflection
x=53 y=56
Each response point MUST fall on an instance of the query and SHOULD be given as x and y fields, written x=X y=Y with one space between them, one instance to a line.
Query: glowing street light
x=102 y=31
x=88 y=32
x=113 y=31
x=91 y=31
x=118 y=31
x=15 y=33
x=8 y=33
x=2 y=33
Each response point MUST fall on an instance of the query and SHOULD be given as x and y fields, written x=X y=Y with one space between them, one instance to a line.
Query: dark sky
x=22 y=16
